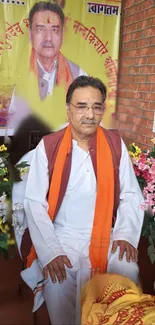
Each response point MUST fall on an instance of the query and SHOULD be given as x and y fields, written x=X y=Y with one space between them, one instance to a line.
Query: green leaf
x=2 y=172
x=151 y=250
x=151 y=242
x=23 y=164
x=3 y=244
x=152 y=258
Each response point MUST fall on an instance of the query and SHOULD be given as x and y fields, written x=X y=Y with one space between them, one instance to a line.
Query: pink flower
x=137 y=172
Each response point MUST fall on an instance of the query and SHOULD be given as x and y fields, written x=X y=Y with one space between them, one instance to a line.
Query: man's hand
x=131 y=252
x=56 y=268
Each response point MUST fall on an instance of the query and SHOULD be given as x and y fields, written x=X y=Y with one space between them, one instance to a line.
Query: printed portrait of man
x=50 y=66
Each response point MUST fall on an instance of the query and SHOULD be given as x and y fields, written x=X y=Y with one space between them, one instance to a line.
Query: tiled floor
x=16 y=307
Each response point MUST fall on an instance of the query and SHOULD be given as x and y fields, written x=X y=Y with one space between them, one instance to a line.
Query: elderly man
x=48 y=64
x=82 y=203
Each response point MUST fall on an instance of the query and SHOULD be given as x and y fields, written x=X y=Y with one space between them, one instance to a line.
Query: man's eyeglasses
x=98 y=109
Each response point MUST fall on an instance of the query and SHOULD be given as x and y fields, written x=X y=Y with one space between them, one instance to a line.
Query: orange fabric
x=64 y=75
x=100 y=239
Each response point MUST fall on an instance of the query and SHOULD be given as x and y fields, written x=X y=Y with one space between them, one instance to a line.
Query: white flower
x=17 y=206
x=16 y=224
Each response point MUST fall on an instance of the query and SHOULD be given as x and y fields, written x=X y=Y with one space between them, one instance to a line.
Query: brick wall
x=136 y=81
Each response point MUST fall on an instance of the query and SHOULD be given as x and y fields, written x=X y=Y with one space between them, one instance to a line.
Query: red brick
x=150 y=12
x=120 y=109
x=140 y=61
x=139 y=78
x=123 y=30
x=127 y=62
x=150 y=124
x=137 y=35
x=134 y=70
x=124 y=70
x=124 y=101
x=144 y=87
x=125 y=94
x=143 y=42
x=145 y=131
x=140 y=121
x=126 y=38
x=125 y=79
x=152 y=106
x=139 y=16
x=153 y=21
x=124 y=117
x=144 y=105
x=128 y=3
x=148 y=114
x=131 y=28
x=145 y=4
x=132 y=10
x=143 y=24
x=147 y=69
x=153 y=88
x=140 y=96
x=140 y=139
x=151 y=60
x=150 y=97
x=147 y=51
x=130 y=45
x=150 y=78
x=152 y=40
x=149 y=32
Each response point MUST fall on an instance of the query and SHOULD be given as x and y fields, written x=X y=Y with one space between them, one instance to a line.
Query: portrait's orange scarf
x=64 y=77
x=100 y=238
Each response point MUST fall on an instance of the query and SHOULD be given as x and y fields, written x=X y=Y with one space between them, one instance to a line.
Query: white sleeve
x=129 y=214
x=36 y=208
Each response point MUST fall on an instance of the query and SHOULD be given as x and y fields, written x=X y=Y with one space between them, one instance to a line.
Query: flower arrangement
x=144 y=166
x=6 y=183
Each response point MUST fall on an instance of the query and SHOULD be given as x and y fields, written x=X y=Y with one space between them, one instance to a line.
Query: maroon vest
x=52 y=144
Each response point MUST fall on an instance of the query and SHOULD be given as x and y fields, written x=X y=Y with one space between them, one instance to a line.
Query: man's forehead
x=87 y=94
x=46 y=17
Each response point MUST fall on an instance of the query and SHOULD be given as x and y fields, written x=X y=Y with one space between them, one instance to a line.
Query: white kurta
x=71 y=232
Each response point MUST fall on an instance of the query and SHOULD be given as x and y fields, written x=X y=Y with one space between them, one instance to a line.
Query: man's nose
x=90 y=113
x=49 y=36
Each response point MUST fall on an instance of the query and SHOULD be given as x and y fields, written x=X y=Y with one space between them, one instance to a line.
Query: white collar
x=44 y=71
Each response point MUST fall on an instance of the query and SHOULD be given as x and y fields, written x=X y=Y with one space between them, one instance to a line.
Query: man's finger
x=52 y=273
x=128 y=253
x=58 y=272
x=134 y=254
x=121 y=252
x=114 y=246
x=67 y=261
x=62 y=269
x=45 y=272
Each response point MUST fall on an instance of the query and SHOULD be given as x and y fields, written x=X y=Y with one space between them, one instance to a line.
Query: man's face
x=46 y=34
x=82 y=118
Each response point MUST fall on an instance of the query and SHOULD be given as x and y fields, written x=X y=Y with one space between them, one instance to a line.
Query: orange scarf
x=100 y=238
x=64 y=75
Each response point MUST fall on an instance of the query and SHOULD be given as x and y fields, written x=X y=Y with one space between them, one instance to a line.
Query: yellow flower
x=3 y=148
x=11 y=242
x=153 y=140
x=23 y=171
x=137 y=151
x=5 y=180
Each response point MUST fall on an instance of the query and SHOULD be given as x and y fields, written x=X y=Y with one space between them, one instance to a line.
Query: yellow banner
x=39 y=58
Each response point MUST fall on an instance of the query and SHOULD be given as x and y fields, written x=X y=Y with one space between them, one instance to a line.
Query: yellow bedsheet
x=115 y=300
